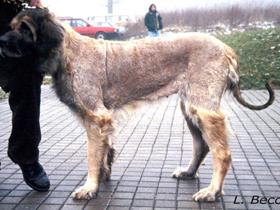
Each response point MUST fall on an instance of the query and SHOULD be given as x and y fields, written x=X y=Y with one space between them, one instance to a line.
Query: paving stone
x=121 y=202
x=4 y=206
x=27 y=207
x=123 y=195
x=118 y=208
x=188 y=205
x=49 y=207
x=11 y=200
x=72 y=207
x=151 y=144
x=142 y=203
x=166 y=203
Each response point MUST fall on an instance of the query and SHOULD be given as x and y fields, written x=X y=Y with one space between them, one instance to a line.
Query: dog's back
x=148 y=69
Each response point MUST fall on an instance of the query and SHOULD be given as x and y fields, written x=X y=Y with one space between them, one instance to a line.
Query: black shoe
x=35 y=176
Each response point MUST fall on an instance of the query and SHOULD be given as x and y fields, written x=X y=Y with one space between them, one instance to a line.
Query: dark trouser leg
x=24 y=100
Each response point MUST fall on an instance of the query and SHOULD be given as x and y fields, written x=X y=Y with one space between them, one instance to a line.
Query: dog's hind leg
x=213 y=128
x=98 y=128
x=108 y=161
x=200 y=150
x=206 y=80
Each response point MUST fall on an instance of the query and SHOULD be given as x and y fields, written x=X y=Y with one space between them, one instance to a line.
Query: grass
x=259 y=56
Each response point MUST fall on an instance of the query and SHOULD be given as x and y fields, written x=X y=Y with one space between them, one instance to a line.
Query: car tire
x=100 y=35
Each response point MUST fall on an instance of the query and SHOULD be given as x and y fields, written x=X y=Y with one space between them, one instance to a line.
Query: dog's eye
x=25 y=31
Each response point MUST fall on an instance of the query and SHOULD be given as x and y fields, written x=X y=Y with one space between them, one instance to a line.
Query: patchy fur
x=95 y=78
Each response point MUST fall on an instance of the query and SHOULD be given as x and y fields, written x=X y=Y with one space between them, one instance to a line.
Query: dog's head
x=34 y=31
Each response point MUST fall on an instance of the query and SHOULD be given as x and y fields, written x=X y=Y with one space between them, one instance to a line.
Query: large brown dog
x=96 y=78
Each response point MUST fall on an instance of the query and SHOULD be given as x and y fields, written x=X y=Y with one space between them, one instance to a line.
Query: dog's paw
x=85 y=192
x=182 y=173
x=207 y=194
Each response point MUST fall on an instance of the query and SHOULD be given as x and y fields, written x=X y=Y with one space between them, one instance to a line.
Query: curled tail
x=234 y=84
x=241 y=100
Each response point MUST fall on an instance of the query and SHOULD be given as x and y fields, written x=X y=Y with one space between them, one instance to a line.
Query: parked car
x=121 y=29
x=85 y=28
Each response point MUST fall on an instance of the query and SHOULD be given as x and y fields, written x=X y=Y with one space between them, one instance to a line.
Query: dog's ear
x=50 y=35
x=25 y=25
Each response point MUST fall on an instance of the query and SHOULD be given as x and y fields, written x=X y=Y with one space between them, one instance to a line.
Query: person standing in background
x=153 y=21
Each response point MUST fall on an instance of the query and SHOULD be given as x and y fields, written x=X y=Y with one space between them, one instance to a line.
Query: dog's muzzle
x=8 y=50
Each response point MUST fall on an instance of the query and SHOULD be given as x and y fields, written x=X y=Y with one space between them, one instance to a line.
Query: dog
x=95 y=78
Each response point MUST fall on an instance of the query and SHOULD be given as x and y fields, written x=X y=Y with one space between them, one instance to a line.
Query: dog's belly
x=118 y=94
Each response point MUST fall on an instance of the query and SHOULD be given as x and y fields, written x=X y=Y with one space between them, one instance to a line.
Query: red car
x=84 y=28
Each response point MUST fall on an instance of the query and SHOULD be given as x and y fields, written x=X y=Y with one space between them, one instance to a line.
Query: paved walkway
x=150 y=146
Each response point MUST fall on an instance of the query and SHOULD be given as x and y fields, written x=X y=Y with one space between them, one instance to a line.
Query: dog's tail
x=241 y=100
x=234 y=84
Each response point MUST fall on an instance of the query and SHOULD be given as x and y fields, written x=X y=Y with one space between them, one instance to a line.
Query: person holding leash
x=18 y=77
x=153 y=21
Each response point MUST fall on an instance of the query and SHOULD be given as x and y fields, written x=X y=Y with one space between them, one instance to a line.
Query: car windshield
x=78 y=23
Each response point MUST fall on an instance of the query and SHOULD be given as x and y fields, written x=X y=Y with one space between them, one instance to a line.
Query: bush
x=259 y=56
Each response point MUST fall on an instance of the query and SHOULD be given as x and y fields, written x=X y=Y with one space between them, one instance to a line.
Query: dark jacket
x=153 y=21
x=8 y=10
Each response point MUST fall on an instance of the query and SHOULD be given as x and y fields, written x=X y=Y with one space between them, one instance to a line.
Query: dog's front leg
x=96 y=146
